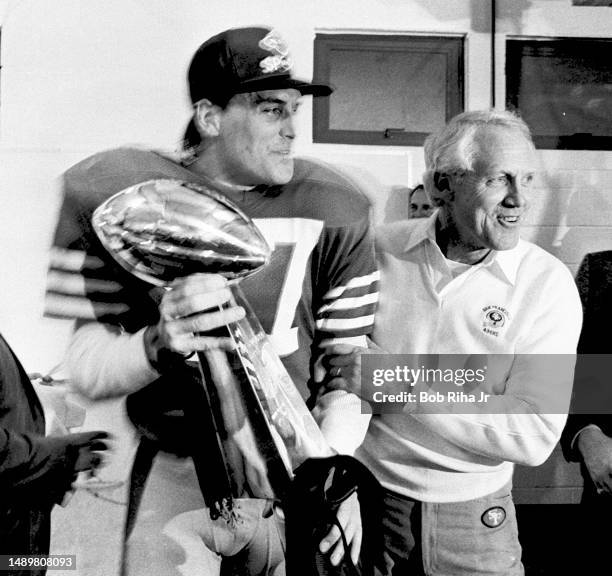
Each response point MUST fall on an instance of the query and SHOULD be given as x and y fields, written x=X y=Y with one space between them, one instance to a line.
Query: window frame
x=453 y=47
x=516 y=48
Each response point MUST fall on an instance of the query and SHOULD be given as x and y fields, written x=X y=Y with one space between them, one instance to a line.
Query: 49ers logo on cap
x=279 y=61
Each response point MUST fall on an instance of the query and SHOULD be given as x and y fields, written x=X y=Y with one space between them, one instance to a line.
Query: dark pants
x=594 y=532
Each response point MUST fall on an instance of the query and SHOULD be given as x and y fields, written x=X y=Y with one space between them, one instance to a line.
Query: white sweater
x=440 y=452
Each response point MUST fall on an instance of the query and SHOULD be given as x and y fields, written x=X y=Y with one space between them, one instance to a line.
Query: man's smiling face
x=256 y=138
x=489 y=202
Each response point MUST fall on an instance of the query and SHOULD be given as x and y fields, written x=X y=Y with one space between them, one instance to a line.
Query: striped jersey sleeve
x=346 y=308
x=73 y=291
x=83 y=281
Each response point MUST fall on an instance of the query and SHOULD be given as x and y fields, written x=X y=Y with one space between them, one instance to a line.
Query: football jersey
x=321 y=282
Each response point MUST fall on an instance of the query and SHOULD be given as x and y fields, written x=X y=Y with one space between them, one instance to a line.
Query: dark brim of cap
x=284 y=81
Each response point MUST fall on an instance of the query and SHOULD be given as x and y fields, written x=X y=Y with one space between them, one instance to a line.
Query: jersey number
x=293 y=240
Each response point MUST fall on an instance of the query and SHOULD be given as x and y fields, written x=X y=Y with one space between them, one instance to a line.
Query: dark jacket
x=35 y=471
x=592 y=393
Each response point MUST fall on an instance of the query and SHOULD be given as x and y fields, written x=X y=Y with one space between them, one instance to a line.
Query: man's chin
x=506 y=243
x=282 y=174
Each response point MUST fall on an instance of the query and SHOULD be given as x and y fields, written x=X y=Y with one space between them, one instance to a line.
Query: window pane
x=563 y=90
x=381 y=89
x=390 y=89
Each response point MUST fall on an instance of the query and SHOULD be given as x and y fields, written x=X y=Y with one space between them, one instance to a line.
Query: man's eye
x=497 y=181
x=527 y=180
x=273 y=111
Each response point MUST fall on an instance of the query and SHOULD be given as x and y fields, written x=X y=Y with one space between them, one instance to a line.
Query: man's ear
x=208 y=118
x=443 y=188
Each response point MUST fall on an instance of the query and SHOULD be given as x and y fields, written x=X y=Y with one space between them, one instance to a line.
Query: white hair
x=452 y=149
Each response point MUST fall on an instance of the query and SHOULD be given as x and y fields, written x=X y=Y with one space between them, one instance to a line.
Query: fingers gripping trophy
x=162 y=230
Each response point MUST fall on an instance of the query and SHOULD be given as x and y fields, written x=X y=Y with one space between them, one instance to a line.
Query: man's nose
x=288 y=127
x=517 y=194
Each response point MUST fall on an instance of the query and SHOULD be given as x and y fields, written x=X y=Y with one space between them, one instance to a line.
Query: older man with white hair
x=463 y=282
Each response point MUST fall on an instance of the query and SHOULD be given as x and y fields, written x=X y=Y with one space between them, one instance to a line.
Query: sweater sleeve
x=106 y=363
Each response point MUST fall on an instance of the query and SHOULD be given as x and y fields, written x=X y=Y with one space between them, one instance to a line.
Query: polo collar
x=422 y=229
x=506 y=262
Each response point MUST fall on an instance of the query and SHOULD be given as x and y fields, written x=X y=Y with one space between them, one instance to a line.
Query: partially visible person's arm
x=586 y=435
x=37 y=465
x=577 y=419
x=595 y=448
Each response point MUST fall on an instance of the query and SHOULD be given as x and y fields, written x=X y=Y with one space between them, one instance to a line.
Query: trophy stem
x=221 y=503
x=255 y=460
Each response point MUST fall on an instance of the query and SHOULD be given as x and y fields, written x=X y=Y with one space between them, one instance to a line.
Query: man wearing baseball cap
x=320 y=286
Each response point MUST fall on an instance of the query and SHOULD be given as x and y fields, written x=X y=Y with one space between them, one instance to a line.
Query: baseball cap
x=244 y=60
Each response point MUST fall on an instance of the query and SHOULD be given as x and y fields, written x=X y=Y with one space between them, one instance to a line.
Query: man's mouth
x=509 y=220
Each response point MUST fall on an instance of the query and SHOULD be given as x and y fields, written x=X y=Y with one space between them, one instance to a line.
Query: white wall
x=83 y=75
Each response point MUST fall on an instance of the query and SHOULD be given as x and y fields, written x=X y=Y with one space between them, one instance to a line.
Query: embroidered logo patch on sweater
x=494 y=319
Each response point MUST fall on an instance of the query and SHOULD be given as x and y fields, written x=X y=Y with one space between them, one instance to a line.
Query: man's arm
x=114 y=351
x=595 y=449
x=577 y=422
x=523 y=424
x=33 y=465
x=586 y=436
x=591 y=384
x=513 y=426
x=346 y=316
x=105 y=362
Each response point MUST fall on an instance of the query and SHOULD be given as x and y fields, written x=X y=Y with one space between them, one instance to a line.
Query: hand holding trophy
x=162 y=230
